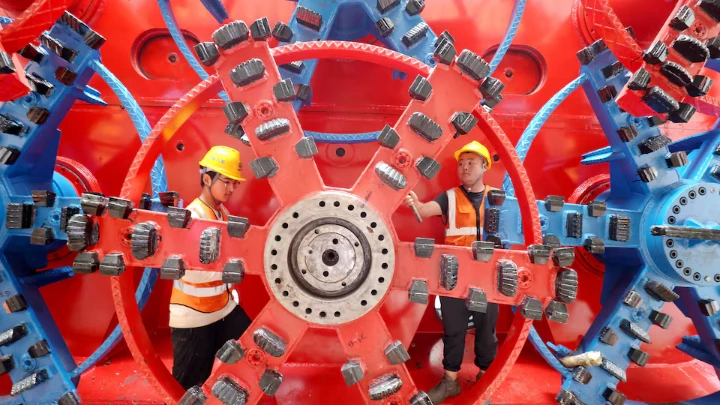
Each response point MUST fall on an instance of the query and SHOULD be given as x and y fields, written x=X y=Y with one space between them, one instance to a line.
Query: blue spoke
x=528 y=136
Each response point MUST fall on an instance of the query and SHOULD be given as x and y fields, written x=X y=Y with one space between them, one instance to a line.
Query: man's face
x=223 y=187
x=471 y=168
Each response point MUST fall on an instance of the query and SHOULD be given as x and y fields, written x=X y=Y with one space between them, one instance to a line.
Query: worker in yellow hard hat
x=462 y=210
x=204 y=313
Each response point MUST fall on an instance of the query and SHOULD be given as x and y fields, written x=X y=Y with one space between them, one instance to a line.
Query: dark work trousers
x=455 y=316
x=194 y=348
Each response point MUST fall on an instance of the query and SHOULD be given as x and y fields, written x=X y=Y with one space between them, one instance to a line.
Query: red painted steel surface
x=354 y=97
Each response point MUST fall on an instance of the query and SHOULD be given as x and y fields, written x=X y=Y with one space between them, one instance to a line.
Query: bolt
x=679 y=264
x=670 y=243
x=671 y=220
x=687 y=271
x=696 y=276
x=683 y=200
x=701 y=191
x=707 y=278
x=717 y=278
x=673 y=254
x=692 y=194
x=676 y=209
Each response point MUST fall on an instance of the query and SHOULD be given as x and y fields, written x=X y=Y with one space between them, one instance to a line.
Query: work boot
x=447 y=387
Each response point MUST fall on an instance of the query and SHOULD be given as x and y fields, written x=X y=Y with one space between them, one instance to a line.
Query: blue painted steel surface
x=46 y=377
x=641 y=273
x=33 y=169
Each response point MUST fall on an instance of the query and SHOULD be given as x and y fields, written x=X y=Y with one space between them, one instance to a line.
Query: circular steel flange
x=684 y=259
x=329 y=259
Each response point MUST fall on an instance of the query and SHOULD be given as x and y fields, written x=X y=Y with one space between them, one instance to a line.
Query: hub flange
x=329 y=259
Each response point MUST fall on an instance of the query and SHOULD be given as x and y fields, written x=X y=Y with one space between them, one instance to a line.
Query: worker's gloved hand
x=411 y=199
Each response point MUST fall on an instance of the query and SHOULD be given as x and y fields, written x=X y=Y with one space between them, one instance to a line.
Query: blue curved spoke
x=512 y=28
x=528 y=136
x=177 y=36
x=216 y=9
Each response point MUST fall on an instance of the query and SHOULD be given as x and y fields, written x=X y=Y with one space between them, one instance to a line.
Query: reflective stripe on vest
x=204 y=297
x=452 y=225
x=207 y=290
x=462 y=224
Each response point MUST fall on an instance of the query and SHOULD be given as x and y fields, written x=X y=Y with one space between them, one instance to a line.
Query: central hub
x=329 y=259
x=680 y=248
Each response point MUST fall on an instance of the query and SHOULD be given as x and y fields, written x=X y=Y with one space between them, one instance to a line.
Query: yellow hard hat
x=225 y=161
x=476 y=148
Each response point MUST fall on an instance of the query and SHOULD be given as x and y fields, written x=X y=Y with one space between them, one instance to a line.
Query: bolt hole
x=687 y=271
x=670 y=243
x=308 y=311
x=351 y=207
x=692 y=194
x=172 y=58
x=325 y=273
x=683 y=201
x=373 y=292
x=696 y=276
x=273 y=266
x=363 y=214
x=322 y=203
x=278 y=281
x=180 y=146
x=303 y=271
x=384 y=251
x=278 y=238
x=310 y=251
x=509 y=73
x=671 y=220
x=363 y=302
x=381 y=237
x=322 y=314
x=702 y=191
x=676 y=209
x=381 y=280
x=337 y=314
x=340 y=152
x=296 y=304
x=317 y=231
x=273 y=252
x=373 y=224
x=679 y=264
x=344 y=284
x=673 y=254
x=335 y=241
x=357 y=244
x=295 y=215
x=717 y=278
x=285 y=225
x=336 y=203
x=384 y=265
x=285 y=293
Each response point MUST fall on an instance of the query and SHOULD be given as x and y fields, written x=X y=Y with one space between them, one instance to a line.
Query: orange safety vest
x=208 y=296
x=463 y=226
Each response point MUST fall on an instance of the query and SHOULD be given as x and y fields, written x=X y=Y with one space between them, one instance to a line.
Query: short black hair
x=210 y=173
